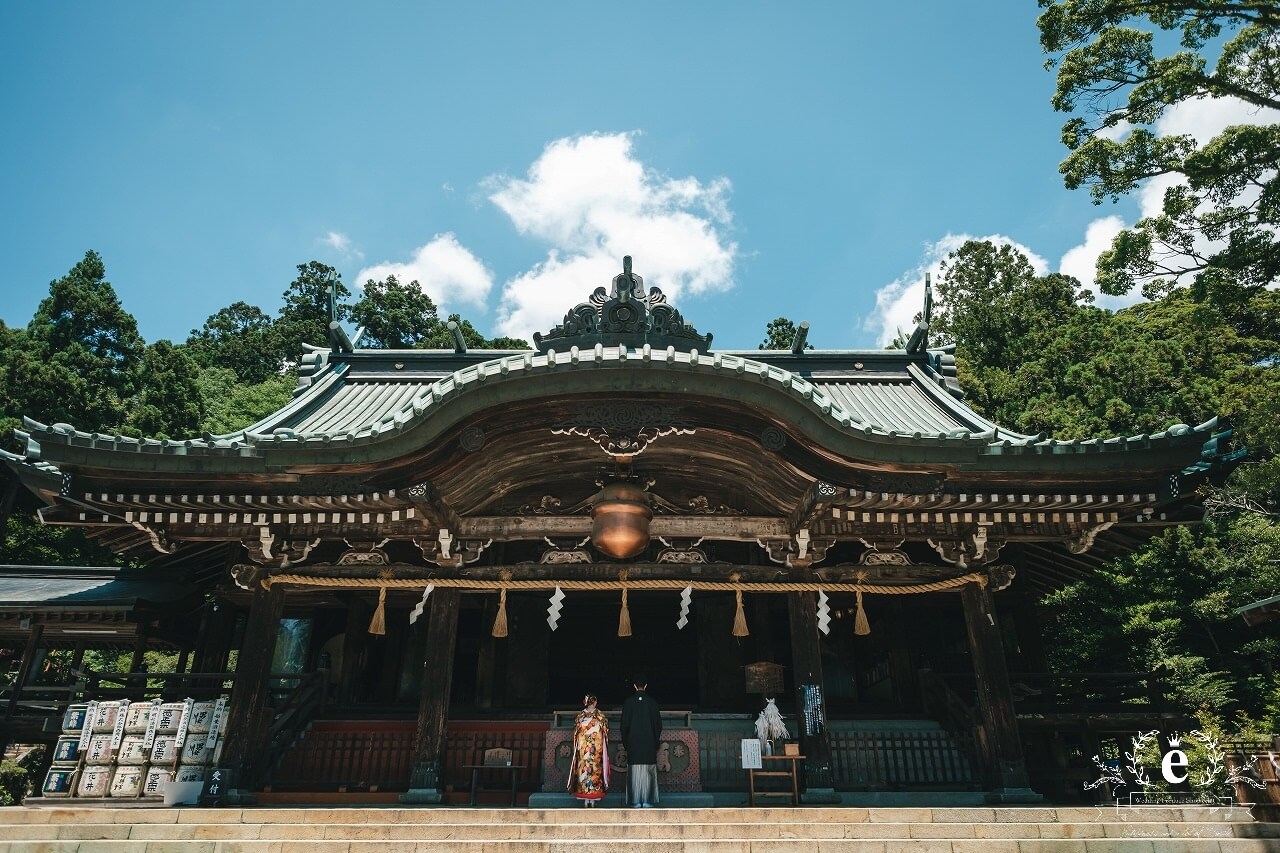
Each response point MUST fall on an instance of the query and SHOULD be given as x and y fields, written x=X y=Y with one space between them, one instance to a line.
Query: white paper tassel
x=416 y=613
x=553 y=611
x=686 y=598
x=824 y=613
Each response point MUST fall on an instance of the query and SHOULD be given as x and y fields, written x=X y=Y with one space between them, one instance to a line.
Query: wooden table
x=787 y=769
x=513 y=769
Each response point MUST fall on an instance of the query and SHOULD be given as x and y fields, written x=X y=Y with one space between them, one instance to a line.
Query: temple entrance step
x=61 y=829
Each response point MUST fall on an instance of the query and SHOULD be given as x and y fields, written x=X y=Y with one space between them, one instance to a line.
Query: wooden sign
x=764 y=678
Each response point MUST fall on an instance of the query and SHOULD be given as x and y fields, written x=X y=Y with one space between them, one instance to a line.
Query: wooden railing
x=860 y=760
x=378 y=755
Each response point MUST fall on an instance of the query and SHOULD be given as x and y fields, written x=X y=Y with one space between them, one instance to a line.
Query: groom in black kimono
x=641 y=726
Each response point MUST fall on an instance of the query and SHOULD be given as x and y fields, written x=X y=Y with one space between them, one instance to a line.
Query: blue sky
x=758 y=159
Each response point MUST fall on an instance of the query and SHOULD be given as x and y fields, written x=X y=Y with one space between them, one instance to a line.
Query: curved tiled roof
x=350 y=402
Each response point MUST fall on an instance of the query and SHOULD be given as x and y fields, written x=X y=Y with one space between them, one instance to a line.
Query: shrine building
x=431 y=554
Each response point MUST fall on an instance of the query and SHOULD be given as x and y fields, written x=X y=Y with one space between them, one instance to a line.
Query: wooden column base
x=424 y=785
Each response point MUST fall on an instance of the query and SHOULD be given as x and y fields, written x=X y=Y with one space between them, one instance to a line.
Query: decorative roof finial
x=628 y=316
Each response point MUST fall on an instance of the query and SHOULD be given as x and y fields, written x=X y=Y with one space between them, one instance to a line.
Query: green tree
x=1218 y=224
x=304 y=316
x=396 y=315
x=169 y=404
x=82 y=354
x=231 y=405
x=779 y=334
x=241 y=337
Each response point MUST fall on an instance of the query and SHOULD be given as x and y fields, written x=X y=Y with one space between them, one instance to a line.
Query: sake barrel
x=59 y=782
x=94 y=782
x=99 y=750
x=201 y=717
x=66 y=750
x=127 y=781
x=170 y=716
x=132 y=750
x=137 y=717
x=155 y=780
x=194 y=751
x=104 y=719
x=73 y=718
x=190 y=773
x=164 y=749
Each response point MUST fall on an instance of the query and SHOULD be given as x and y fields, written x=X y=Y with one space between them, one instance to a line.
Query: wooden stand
x=787 y=763
x=476 y=769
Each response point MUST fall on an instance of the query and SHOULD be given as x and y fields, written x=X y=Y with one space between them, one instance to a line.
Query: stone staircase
x=53 y=829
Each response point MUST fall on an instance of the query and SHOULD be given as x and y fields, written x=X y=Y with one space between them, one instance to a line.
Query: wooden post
x=426 y=778
x=1006 y=771
x=906 y=683
x=806 y=663
x=213 y=643
x=242 y=749
x=355 y=643
x=29 y=653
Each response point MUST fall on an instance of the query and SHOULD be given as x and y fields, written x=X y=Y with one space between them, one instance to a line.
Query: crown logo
x=1175 y=741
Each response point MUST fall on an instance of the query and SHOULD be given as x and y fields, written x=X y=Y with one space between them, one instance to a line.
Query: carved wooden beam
x=741 y=528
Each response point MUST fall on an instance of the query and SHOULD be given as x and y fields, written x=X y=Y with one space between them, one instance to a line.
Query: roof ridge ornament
x=626 y=316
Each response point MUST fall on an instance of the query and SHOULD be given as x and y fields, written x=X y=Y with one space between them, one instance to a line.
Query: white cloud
x=592 y=201
x=1082 y=261
x=898 y=302
x=342 y=244
x=446 y=270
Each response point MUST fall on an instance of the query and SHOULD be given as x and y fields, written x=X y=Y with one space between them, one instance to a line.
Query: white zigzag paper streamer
x=824 y=613
x=686 y=598
x=417 y=608
x=553 y=611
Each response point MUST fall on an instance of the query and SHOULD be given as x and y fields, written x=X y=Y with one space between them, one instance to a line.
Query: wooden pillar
x=242 y=749
x=29 y=654
x=528 y=677
x=906 y=682
x=806 y=663
x=425 y=781
x=213 y=643
x=1006 y=771
x=355 y=644
x=486 y=660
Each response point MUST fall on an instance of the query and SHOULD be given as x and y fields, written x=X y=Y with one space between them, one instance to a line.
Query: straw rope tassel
x=500 y=621
x=378 y=624
x=861 y=626
x=740 y=619
x=624 y=617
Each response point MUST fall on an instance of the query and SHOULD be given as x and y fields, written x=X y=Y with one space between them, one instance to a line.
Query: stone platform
x=56 y=829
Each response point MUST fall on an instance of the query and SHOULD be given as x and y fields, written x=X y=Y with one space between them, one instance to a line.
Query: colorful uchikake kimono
x=589 y=767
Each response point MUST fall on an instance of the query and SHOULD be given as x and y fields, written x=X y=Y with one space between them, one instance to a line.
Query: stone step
x=1225 y=845
x=49 y=811
x=633 y=831
x=726 y=830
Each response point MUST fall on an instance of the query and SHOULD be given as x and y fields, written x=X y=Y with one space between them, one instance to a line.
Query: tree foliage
x=1218 y=224
x=240 y=337
x=82 y=353
x=779 y=334
x=1035 y=356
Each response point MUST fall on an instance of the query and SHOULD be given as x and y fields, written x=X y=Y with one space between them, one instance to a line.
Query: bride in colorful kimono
x=589 y=767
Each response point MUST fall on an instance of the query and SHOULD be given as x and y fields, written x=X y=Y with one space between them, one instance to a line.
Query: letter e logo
x=1174 y=760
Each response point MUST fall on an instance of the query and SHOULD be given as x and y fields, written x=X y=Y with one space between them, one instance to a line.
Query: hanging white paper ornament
x=686 y=598
x=416 y=613
x=824 y=613
x=553 y=611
